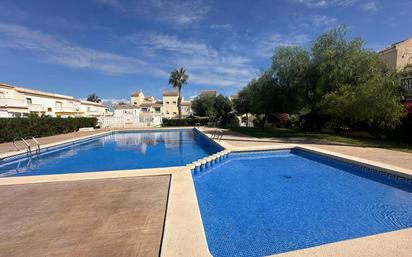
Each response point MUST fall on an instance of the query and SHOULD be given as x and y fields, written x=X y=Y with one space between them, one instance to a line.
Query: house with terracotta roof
x=170 y=108
x=146 y=110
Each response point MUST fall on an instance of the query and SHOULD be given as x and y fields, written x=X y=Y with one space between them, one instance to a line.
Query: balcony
x=36 y=108
x=67 y=109
x=10 y=102
x=94 y=113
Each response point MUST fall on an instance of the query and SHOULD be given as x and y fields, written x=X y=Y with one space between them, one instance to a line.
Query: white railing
x=145 y=120
x=36 y=108
x=10 y=102
x=67 y=109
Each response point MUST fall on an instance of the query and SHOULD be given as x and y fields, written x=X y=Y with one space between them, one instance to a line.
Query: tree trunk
x=179 y=101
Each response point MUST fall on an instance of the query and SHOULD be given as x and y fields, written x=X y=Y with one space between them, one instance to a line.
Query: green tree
x=339 y=82
x=263 y=97
x=375 y=103
x=243 y=104
x=217 y=108
x=203 y=106
x=290 y=68
x=177 y=79
x=336 y=82
x=93 y=98
x=222 y=106
x=353 y=85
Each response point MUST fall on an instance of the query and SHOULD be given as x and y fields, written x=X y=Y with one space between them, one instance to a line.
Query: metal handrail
x=36 y=142
x=217 y=134
x=25 y=142
x=14 y=143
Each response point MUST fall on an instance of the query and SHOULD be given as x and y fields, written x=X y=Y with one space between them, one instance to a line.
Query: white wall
x=143 y=120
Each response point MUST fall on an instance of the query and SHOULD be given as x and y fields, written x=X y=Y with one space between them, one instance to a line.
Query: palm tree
x=93 y=98
x=177 y=79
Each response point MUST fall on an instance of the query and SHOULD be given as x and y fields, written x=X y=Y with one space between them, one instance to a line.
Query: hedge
x=11 y=128
x=185 y=122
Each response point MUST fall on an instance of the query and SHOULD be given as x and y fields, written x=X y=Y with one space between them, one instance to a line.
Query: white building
x=145 y=111
x=20 y=102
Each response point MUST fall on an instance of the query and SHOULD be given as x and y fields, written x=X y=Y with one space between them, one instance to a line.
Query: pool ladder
x=217 y=134
x=29 y=150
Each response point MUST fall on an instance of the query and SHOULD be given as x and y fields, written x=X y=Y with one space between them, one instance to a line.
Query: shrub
x=184 y=122
x=229 y=120
x=11 y=128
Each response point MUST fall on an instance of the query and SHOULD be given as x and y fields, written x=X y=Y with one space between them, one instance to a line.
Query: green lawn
x=334 y=138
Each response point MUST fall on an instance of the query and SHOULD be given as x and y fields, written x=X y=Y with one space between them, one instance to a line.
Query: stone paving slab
x=92 y=218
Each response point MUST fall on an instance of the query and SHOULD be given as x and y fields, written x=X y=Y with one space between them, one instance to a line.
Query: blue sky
x=113 y=47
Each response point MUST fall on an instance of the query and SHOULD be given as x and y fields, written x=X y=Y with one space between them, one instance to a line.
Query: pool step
x=209 y=161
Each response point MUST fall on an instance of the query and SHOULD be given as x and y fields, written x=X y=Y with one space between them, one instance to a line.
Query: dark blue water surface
x=258 y=204
x=119 y=151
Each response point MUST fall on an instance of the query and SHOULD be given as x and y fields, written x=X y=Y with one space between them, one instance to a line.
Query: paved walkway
x=9 y=147
x=391 y=157
x=91 y=218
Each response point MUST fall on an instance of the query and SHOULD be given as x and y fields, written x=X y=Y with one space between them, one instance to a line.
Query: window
x=59 y=105
x=135 y=103
x=167 y=102
x=174 y=102
x=49 y=109
x=29 y=100
x=88 y=109
x=2 y=94
x=174 y=113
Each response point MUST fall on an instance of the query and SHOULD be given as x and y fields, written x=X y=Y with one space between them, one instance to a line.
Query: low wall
x=130 y=121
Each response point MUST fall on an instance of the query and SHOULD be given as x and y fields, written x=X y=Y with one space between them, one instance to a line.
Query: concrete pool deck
x=237 y=141
x=9 y=147
x=102 y=217
x=183 y=233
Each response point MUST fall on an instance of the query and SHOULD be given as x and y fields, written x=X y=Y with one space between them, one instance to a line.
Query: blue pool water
x=118 y=151
x=258 y=204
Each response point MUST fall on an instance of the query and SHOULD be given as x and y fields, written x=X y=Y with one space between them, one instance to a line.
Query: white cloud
x=369 y=6
x=157 y=41
x=53 y=50
x=324 y=3
x=173 y=12
x=178 y=12
x=322 y=20
x=205 y=64
x=266 y=47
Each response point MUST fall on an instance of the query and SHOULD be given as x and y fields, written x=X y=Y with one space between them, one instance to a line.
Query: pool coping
x=186 y=237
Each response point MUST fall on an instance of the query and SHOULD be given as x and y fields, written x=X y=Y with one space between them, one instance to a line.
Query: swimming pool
x=116 y=151
x=263 y=203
